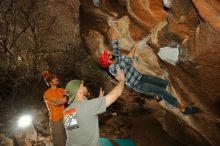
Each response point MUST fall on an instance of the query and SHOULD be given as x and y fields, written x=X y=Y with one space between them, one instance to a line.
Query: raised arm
x=115 y=49
x=132 y=51
x=117 y=90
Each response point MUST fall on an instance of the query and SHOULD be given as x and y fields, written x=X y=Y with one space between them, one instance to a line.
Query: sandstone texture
x=193 y=26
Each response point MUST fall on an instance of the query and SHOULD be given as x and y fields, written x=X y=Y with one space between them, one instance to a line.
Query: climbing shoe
x=190 y=110
x=157 y=98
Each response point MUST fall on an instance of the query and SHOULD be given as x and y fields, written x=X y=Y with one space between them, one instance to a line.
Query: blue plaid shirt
x=132 y=76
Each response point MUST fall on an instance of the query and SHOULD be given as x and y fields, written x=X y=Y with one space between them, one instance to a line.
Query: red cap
x=103 y=59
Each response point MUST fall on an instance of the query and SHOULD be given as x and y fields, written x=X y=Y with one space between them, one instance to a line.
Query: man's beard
x=87 y=94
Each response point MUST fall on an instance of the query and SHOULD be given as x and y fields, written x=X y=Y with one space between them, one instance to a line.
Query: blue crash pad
x=120 y=142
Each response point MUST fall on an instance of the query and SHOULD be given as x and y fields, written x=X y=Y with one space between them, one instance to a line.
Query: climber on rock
x=145 y=84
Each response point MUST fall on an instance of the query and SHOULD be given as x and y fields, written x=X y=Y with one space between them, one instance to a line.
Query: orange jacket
x=55 y=112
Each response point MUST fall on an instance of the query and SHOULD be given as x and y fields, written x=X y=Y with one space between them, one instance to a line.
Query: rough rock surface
x=5 y=141
x=194 y=79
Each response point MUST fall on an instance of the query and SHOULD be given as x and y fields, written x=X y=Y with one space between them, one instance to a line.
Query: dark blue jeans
x=154 y=85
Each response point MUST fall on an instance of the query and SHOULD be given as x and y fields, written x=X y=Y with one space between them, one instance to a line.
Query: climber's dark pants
x=153 y=85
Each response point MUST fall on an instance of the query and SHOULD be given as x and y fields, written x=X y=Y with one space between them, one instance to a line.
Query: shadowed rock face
x=194 y=25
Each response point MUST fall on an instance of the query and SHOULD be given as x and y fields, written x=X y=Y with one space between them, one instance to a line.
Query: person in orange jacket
x=55 y=99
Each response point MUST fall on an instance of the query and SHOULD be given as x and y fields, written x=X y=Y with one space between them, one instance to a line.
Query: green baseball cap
x=71 y=89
